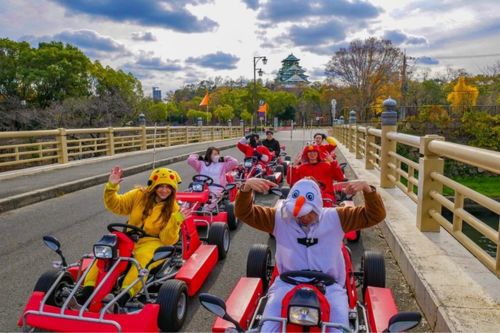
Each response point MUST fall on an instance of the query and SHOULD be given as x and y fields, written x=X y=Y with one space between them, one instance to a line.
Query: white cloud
x=427 y=28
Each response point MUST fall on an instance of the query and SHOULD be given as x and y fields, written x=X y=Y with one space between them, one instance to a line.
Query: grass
x=486 y=185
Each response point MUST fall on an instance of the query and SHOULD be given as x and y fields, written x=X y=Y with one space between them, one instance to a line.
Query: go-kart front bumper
x=50 y=318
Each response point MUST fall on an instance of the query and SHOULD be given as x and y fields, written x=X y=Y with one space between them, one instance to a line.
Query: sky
x=169 y=43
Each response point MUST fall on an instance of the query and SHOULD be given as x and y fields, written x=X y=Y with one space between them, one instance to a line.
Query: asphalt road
x=78 y=219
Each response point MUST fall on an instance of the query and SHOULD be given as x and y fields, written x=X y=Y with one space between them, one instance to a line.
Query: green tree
x=58 y=71
x=246 y=116
x=224 y=112
x=193 y=115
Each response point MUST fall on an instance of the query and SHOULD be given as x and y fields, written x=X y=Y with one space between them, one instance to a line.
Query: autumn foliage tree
x=463 y=96
x=365 y=66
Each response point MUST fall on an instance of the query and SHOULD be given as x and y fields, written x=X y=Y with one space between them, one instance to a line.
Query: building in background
x=291 y=73
x=156 y=94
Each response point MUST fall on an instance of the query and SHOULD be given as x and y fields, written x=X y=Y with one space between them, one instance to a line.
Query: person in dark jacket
x=271 y=143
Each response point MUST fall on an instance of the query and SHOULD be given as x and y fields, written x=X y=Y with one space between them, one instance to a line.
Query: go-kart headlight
x=198 y=187
x=304 y=316
x=103 y=252
x=247 y=164
x=105 y=248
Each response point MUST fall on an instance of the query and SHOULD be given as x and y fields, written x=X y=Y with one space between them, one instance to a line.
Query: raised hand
x=258 y=184
x=354 y=186
x=116 y=175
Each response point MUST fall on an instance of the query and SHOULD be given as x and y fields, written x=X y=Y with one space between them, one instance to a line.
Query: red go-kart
x=252 y=167
x=161 y=305
x=209 y=207
x=305 y=308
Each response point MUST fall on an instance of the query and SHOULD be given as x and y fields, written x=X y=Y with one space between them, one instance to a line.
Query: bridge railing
x=30 y=148
x=423 y=180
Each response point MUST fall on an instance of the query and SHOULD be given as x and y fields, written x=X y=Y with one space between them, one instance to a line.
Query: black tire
x=46 y=281
x=218 y=235
x=284 y=191
x=232 y=221
x=271 y=178
x=373 y=267
x=259 y=263
x=285 y=168
x=358 y=236
x=172 y=299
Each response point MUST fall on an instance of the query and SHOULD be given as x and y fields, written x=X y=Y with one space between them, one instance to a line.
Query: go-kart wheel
x=172 y=299
x=284 y=191
x=259 y=263
x=373 y=267
x=284 y=166
x=280 y=168
x=232 y=221
x=218 y=234
x=46 y=281
x=271 y=178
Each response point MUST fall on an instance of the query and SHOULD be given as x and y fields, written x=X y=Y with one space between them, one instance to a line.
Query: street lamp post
x=255 y=69
x=334 y=111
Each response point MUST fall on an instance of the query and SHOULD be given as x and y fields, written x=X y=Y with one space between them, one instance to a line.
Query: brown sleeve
x=355 y=218
x=258 y=217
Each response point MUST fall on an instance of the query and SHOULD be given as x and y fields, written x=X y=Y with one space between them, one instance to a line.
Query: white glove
x=264 y=158
x=243 y=140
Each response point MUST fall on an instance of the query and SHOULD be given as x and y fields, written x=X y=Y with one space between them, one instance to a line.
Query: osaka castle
x=291 y=73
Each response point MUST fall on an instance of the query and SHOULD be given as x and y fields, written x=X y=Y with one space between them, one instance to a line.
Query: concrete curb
x=453 y=289
x=29 y=198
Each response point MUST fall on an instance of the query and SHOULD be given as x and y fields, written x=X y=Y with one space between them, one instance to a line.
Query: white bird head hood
x=304 y=197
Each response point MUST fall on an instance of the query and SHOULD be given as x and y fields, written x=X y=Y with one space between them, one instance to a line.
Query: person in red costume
x=251 y=146
x=327 y=143
x=317 y=163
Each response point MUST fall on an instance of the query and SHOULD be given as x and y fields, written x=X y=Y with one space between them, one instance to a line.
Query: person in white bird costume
x=308 y=236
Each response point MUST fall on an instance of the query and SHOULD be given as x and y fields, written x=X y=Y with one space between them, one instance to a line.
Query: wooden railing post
x=212 y=133
x=352 y=131
x=169 y=139
x=427 y=164
x=389 y=124
x=110 y=139
x=369 y=150
x=201 y=134
x=357 y=148
x=187 y=134
x=144 y=138
x=62 y=146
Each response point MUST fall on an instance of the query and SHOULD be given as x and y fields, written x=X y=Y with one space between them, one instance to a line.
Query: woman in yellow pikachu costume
x=152 y=208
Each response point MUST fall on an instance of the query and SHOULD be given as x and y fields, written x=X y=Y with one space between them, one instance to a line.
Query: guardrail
x=29 y=148
x=423 y=180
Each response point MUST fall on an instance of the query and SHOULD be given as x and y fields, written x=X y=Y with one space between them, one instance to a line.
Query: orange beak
x=298 y=205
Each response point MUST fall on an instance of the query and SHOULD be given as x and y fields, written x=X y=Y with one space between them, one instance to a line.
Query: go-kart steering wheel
x=135 y=230
x=315 y=277
x=203 y=179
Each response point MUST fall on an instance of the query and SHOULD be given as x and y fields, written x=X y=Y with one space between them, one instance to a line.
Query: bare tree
x=365 y=66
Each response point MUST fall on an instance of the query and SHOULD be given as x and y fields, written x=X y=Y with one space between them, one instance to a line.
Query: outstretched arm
x=258 y=217
x=370 y=214
x=230 y=163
